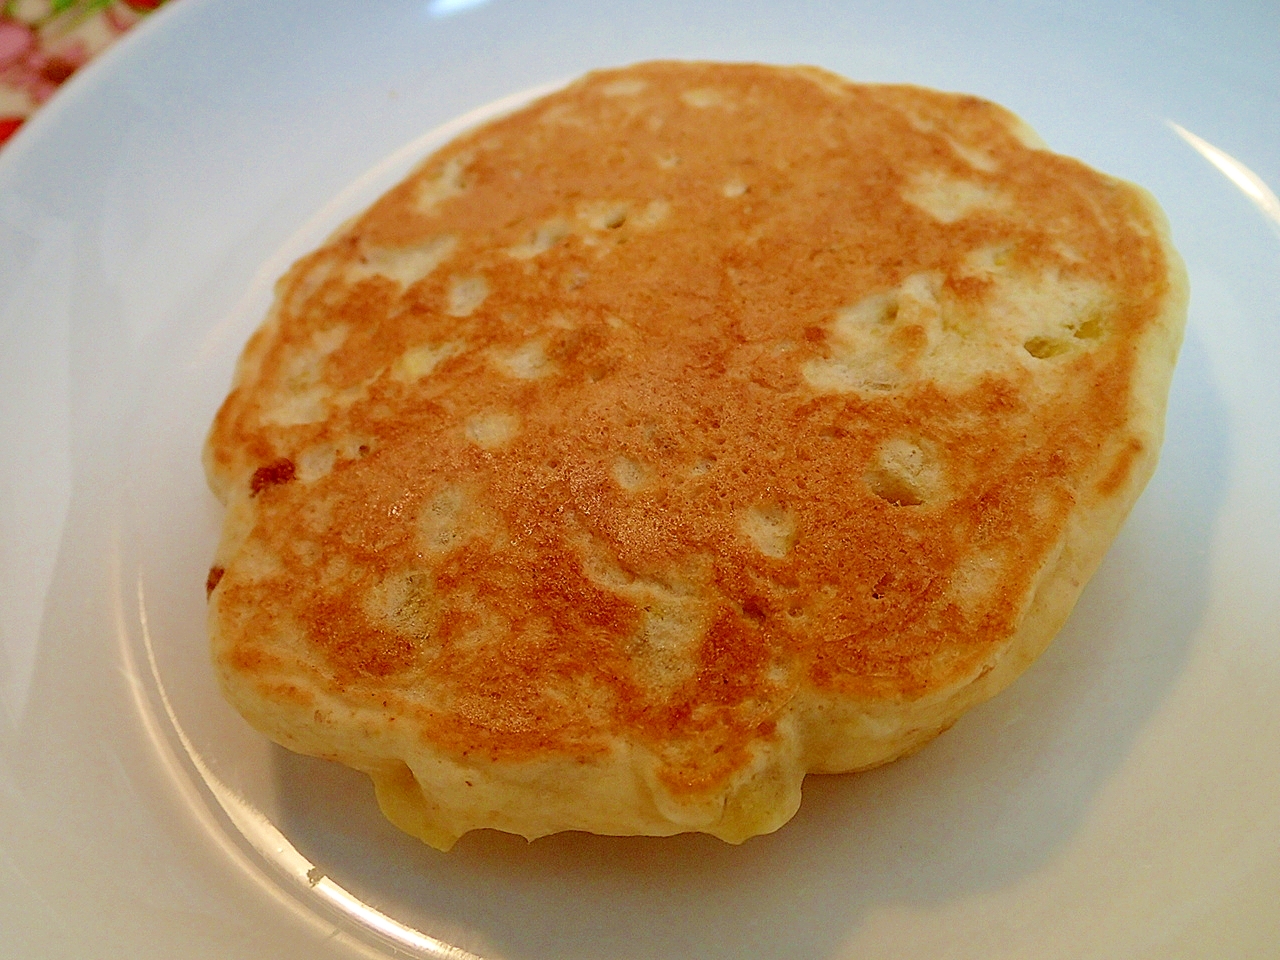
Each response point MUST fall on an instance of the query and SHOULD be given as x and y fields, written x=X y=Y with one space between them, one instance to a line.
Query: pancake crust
x=694 y=428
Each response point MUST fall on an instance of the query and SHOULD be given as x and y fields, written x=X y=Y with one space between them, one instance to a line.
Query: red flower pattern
x=43 y=43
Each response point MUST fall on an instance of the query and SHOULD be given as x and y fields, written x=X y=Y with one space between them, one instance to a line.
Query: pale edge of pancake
x=438 y=798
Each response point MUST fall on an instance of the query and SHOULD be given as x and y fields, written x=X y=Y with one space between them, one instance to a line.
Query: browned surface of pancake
x=676 y=411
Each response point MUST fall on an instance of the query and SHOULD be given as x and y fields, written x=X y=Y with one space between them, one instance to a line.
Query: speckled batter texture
x=692 y=429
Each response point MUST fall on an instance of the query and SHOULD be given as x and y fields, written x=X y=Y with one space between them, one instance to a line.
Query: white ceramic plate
x=1121 y=800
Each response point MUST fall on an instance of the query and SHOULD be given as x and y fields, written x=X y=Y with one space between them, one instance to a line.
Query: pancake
x=692 y=429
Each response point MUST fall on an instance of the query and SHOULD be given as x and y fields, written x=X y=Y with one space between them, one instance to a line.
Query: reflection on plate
x=1122 y=798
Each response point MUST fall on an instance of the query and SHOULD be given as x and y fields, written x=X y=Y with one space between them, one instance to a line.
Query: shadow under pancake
x=988 y=803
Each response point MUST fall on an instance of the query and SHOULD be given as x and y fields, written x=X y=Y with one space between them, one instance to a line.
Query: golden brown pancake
x=694 y=428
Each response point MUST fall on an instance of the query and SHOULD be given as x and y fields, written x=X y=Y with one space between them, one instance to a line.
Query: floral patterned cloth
x=43 y=42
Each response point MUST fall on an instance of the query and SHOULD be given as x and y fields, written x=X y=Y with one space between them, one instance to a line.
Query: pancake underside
x=695 y=428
